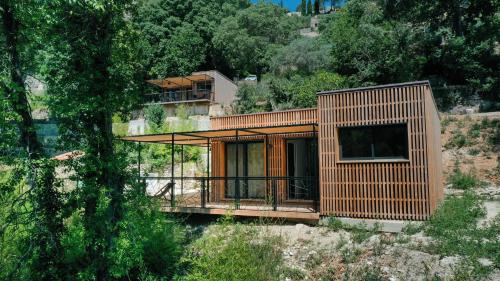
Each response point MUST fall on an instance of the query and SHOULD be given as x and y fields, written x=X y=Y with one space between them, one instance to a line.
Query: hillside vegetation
x=93 y=57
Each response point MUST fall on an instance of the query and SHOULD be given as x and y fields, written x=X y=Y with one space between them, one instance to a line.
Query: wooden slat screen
x=288 y=117
x=384 y=190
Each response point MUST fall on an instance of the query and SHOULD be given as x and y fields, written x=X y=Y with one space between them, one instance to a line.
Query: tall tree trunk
x=101 y=148
x=16 y=94
x=45 y=199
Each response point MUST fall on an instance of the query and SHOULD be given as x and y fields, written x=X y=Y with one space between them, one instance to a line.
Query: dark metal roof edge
x=374 y=87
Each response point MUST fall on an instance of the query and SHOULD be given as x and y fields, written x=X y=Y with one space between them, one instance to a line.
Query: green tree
x=300 y=91
x=91 y=71
x=187 y=22
x=377 y=50
x=155 y=115
x=309 y=7
x=253 y=98
x=303 y=7
x=303 y=56
x=182 y=53
x=460 y=41
x=248 y=39
x=41 y=251
x=316 y=7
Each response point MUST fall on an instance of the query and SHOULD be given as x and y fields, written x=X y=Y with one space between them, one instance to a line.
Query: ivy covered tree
x=92 y=73
x=40 y=249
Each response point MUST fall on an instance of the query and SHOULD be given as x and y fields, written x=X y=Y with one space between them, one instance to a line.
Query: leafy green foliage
x=252 y=98
x=302 y=56
x=233 y=253
x=155 y=115
x=457 y=140
x=459 y=38
x=305 y=93
x=461 y=180
x=182 y=53
x=248 y=39
x=454 y=226
x=8 y=131
x=178 y=33
x=376 y=51
x=149 y=244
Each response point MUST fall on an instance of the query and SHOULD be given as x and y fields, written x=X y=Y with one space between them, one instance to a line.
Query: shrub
x=233 y=253
x=457 y=140
x=475 y=130
x=155 y=115
x=293 y=273
x=455 y=230
x=455 y=214
x=334 y=224
x=411 y=228
x=461 y=180
x=360 y=232
x=474 y=151
x=148 y=246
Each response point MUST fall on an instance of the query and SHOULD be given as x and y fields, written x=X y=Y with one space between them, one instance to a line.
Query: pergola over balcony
x=235 y=136
x=181 y=89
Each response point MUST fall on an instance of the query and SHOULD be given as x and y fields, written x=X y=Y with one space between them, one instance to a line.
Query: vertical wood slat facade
x=276 y=153
x=276 y=118
x=381 y=189
x=384 y=189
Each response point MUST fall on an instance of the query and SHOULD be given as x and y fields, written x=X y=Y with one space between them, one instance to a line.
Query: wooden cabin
x=369 y=152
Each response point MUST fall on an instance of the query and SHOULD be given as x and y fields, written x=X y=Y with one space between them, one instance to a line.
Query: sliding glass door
x=250 y=159
x=302 y=167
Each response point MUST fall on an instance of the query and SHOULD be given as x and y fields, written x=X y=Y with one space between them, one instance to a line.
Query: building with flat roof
x=203 y=93
x=371 y=152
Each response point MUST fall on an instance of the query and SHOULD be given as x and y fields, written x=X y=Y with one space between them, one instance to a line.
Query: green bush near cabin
x=456 y=232
x=463 y=180
x=233 y=252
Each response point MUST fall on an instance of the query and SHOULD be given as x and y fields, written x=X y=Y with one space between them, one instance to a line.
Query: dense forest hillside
x=453 y=44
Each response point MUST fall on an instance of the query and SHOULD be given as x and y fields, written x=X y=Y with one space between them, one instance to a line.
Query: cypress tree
x=303 y=9
x=309 y=7
x=316 y=7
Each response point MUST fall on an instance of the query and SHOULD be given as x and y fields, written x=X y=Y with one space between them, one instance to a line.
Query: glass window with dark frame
x=374 y=142
x=250 y=165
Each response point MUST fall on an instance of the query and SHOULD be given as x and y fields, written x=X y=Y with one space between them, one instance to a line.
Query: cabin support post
x=182 y=169
x=266 y=142
x=237 y=179
x=172 y=190
x=208 y=168
x=139 y=162
x=316 y=178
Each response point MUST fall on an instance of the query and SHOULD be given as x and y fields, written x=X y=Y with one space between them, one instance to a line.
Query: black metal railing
x=177 y=96
x=252 y=193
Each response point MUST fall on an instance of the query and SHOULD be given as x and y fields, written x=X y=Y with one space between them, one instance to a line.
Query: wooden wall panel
x=383 y=189
x=277 y=118
x=276 y=154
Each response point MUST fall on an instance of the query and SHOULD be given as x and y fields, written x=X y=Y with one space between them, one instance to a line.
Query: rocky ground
x=467 y=144
x=324 y=254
